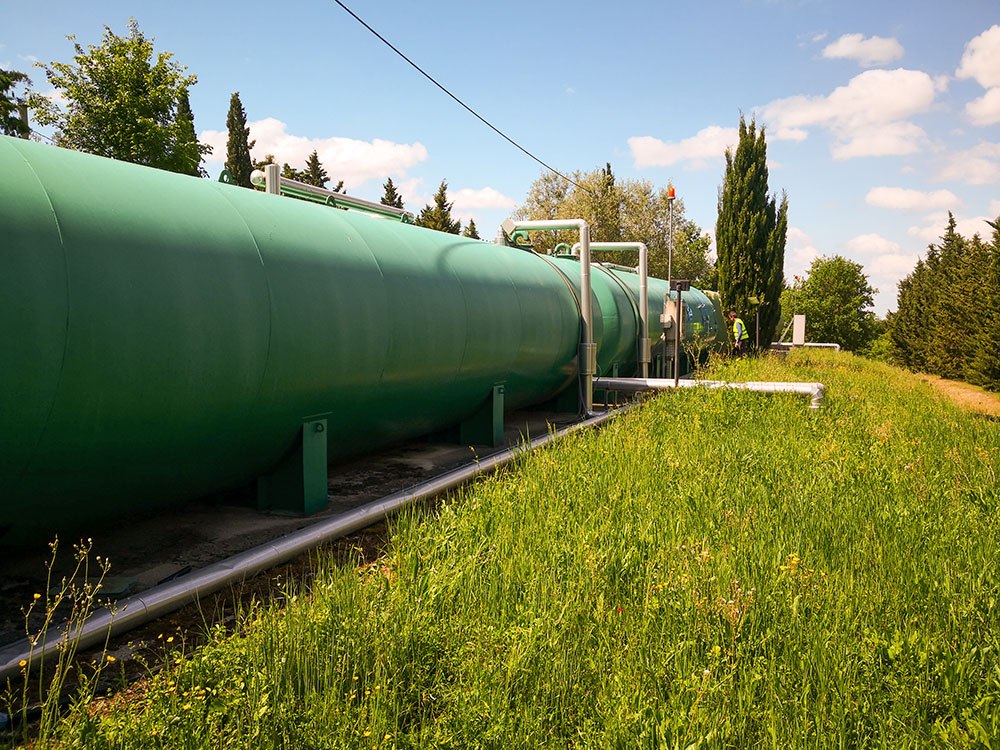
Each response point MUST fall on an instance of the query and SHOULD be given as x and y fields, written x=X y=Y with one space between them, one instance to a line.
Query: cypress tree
x=438 y=216
x=239 y=144
x=471 y=231
x=391 y=197
x=750 y=234
x=187 y=151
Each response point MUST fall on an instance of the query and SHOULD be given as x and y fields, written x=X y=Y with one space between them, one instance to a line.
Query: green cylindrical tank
x=165 y=336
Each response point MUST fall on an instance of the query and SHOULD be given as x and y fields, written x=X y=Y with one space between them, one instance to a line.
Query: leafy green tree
x=391 y=196
x=837 y=301
x=10 y=118
x=438 y=216
x=238 y=144
x=641 y=215
x=471 y=231
x=750 y=234
x=122 y=104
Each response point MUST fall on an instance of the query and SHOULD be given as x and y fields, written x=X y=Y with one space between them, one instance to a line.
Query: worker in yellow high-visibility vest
x=741 y=339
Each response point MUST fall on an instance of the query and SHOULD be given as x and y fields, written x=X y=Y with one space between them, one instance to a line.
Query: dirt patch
x=969 y=397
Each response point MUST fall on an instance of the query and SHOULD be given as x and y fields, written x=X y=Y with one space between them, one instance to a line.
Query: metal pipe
x=774 y=344
x=588 y=349
x=273 y=182
x=816 y=391
x=159 y=600
x=644 y=354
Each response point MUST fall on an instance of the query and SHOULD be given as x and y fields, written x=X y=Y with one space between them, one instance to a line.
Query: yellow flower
x=170 y=639
x=111 y=658
x=38 y=596
x=22 y=663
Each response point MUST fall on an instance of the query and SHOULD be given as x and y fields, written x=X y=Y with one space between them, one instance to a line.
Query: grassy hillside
x=715 y=569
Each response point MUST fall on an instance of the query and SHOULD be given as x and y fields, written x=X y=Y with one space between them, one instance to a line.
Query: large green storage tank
x=165 y=336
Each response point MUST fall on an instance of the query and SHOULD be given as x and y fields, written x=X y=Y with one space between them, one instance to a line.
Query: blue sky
x=880 y=116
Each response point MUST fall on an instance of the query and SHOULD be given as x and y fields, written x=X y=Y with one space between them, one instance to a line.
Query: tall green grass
x=715 y=569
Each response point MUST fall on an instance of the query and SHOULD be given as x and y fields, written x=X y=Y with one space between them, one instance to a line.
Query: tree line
x=947 y=320
x=150 y=121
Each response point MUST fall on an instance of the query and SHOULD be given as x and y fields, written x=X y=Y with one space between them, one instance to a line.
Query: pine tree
x=391 y=197
x=314 y=174
x=239 y=144
x=984 y=367
x=438 y=216
x=471 y=231
x=187 y=154
x=750 y=234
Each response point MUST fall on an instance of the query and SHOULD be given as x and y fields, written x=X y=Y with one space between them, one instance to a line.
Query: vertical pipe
x=644 y=310
x=272 y=179
x=677 y=340
x=587 y=345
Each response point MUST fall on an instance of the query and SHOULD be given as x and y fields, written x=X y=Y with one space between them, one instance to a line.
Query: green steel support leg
x=299 y=483
x=485 y=427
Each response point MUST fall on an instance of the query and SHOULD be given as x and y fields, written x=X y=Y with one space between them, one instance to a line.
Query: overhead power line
x=473 y=112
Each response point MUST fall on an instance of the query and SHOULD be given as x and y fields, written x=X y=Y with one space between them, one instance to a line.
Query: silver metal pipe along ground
x=785 y=344
x=155 y=602
x=816 y=391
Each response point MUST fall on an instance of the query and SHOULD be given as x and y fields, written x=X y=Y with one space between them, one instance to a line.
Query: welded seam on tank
x=270 y=299
x=62 y=362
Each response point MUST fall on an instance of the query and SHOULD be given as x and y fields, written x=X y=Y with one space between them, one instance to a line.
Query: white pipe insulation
x=816 y=391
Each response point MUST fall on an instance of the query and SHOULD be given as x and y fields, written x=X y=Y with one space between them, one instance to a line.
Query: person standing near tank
x=741 y=339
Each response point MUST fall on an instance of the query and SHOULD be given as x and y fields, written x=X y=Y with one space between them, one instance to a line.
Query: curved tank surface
x=165 y=336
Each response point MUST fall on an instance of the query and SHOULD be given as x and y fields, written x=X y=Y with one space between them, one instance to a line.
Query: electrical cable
x=463 y=104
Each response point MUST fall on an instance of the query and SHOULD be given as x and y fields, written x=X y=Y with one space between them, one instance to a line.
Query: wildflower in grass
x=111 y=658
x=22 y=663
x=170 y=639
x=38 y=596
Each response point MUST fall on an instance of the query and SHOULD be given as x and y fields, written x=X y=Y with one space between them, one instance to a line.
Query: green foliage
x=630 y=210
x=715 y=569
x=946 y=318
x=984 y=364
x=438 y=216
x=471 y=231
x=188 y=153
x=10 y=118
x=750 y=234
x=314 y=174
x=123 y=104
x=391 y=196
x=837 y=300
x=238 y=144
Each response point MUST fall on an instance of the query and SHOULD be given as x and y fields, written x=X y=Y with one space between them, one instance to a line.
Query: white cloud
x=981 y=59
x=979 y=165
x=570 y=91
x=936 y=222
x=820 y=36
x=709 y=143
x=795 y=236
x=986 y=109
x=875 y=50
x=867 y=116
x=468 y=203
x=345 y=159
x=941 y=83
x=872 y=244
x=798 y=261
x=912 y=201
